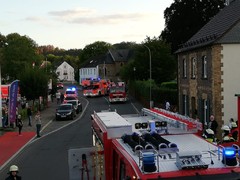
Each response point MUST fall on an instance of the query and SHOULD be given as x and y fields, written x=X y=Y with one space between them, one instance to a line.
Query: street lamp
x=150 y=75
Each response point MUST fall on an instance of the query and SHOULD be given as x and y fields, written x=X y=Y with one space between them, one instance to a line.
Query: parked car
x=76 y=104
x=71 y=91
x=65 y=111
x=59 y=85
x=69 y=98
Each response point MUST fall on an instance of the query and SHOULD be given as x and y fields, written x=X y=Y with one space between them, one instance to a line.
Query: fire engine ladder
x=171 y=121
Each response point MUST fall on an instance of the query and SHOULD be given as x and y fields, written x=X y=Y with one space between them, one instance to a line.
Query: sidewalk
x=11 y=143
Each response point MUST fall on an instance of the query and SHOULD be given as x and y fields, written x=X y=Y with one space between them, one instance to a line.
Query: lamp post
x=150 y=76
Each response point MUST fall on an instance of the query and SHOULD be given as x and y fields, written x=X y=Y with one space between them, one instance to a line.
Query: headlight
x=57 y=114
x=69 y=113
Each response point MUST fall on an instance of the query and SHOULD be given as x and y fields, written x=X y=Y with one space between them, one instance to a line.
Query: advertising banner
x=13 y=93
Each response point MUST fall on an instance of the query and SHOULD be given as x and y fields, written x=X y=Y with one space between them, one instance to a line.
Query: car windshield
x=117 y=89
x=64 y=107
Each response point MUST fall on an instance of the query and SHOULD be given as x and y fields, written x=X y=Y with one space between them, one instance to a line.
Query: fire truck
x=158 y=144
x=96 y=88
x=117 y=93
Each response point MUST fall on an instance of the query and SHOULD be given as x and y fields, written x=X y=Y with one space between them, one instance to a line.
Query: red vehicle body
x=86 y=82
x=5 y=91
x=96 y=88
x=117 y=93
x=71 y=91
x=159 y=145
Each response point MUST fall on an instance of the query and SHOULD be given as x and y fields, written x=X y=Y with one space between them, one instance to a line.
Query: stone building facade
x=208 y=66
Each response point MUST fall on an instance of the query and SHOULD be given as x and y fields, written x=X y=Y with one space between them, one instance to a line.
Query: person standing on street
x=38 y=123
x=29 y=114
x=19 y=124
x=13 y=173
x=58 y=96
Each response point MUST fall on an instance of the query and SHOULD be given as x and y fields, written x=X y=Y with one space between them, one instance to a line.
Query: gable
x=65 y=64
x=111 y=57
x=121 y=55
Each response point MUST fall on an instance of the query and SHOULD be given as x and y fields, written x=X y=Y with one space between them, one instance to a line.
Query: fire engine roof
x=180 y=149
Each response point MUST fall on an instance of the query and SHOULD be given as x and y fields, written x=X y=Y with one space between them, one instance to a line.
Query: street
x=47 y=157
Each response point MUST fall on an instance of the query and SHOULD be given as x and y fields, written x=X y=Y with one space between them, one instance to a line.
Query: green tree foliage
x=163 y=64
x=19 y=53
x=185 y=17
x=124 y=45
x=34 y=83
x=95 y=49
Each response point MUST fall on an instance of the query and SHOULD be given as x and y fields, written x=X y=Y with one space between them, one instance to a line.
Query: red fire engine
x=159 y=144
x=96 y=88
x=117 y=93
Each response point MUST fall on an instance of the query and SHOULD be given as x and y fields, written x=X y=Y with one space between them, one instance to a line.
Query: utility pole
x=150 y=76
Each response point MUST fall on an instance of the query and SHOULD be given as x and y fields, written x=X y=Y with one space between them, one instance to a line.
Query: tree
x=185 y=17
x=124 y=45
x=34 y=83
x=20 y=53
x=95 y=49
x=163 y=64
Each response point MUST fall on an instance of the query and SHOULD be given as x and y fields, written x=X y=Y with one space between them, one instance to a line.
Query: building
x=65 y=72
x=208 y=68
x=105 y=66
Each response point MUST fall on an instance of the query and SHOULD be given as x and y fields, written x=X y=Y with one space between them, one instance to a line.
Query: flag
x=13 y=93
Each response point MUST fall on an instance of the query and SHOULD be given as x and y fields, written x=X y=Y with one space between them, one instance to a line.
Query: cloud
x=39 y=20
x=90 y=16
x=72 y=13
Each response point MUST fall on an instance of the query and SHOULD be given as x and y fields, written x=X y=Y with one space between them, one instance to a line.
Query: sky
x=73 y=24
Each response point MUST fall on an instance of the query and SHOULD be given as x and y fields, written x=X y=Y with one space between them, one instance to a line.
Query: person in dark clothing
x=62 y=97
x=213 y=125
x=38 y=123
x=13 y=173
x=19 y=124
x=29 y=114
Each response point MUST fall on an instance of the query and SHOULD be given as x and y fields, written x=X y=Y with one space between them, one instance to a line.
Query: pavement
x=11 y=143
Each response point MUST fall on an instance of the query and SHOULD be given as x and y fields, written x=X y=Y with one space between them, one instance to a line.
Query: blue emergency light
x=71 y=89
x=229 y=156
x=149 y=162
x=229 y=152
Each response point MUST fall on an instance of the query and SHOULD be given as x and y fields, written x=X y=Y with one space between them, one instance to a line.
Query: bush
x=169 y=85
x=141 y=90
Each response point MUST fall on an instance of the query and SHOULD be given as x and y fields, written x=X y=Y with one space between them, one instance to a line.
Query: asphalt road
x=47 y=157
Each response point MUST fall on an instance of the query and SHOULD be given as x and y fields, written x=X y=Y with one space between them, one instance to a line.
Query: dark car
x=65 y=111
x=76 y=104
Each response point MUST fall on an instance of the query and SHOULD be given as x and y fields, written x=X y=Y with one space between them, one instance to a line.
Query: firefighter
x=13 y=173
x=226 y=136
x=234 y=131
x=209 y=135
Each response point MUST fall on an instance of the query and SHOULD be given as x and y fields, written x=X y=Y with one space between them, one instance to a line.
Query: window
x=194 y=67
x=184 y=68
x=204 y=67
